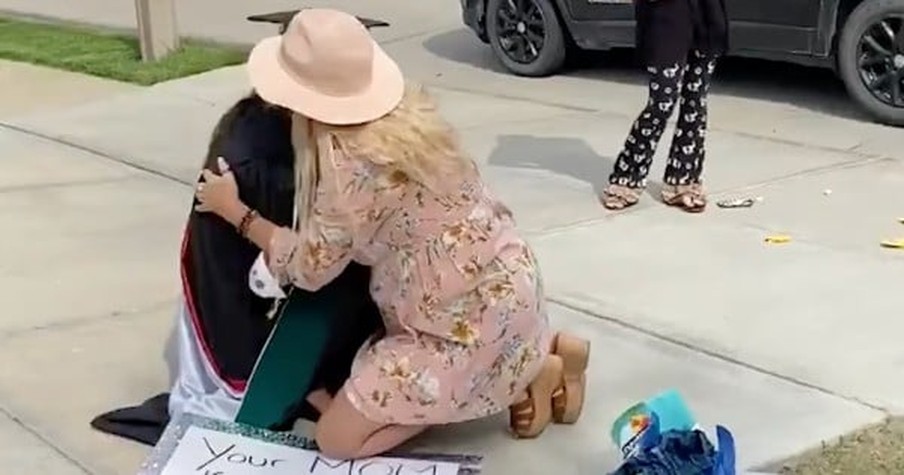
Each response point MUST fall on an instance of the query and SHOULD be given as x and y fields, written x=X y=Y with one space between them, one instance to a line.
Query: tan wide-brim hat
x=327 y=67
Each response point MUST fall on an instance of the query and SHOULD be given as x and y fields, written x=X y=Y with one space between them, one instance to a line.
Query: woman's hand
x=219 y=194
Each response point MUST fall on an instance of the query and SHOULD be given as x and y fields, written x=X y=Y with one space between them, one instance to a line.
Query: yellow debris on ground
x=893 y=243
x=778 y=239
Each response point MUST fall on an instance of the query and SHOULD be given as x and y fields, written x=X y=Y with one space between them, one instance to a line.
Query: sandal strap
x=684 y=195
x=623 y=192
x=522 y=421
x=698 y=194
x=559 y=400
x=523 y=407
x=618 y=196
x=522 y=413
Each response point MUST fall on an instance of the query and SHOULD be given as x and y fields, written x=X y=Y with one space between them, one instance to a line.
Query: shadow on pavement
x=815 y=89
x=570 y=157
x=462 y=46
x=812 y=88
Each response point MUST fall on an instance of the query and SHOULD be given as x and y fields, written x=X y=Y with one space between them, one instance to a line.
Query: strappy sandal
x=568 y=400
x=617 y=197
x=530 y=416
x=689 y=198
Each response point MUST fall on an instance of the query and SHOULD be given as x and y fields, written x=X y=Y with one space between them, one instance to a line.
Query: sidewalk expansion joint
x=92 y=151
x=807 y=172
x=89 y=319
x=411 y=36
x=511 y=97
x=715 y=355
x=64 y=184
x=551 y=116
x=27 y=428
x=853 y=150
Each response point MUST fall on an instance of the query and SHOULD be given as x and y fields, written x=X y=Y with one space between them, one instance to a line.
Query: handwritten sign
x=204 y=451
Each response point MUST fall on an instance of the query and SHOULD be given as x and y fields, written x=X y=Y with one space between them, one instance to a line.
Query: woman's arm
x=259 y=230
x=343 y=214
x=309 y=258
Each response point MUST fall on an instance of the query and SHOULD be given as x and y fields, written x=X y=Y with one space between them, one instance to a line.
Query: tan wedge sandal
x=568 y=399
x=530 y=416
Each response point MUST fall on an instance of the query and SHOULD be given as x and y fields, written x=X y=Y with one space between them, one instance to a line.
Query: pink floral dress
x=459 y=291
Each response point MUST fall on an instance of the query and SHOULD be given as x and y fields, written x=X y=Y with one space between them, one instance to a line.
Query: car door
x=779 y=26
x=600 y=24
x=601 y=10
x=758 y=27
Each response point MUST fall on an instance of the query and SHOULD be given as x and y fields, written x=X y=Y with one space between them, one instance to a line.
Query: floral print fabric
x=459 y=290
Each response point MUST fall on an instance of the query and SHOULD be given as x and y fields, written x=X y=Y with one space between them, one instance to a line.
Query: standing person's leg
x=684 y=169
x=629 y=174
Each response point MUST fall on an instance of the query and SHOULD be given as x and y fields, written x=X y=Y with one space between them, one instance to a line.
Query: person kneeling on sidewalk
x=386 y=185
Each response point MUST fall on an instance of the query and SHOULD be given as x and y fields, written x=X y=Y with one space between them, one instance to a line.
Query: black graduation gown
x=667 y=30
x=216 y=259
x=229 y=319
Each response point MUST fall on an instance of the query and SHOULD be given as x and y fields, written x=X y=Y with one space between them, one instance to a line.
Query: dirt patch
x=876 y=450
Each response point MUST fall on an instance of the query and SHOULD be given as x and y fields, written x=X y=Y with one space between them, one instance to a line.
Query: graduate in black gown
x=221 y=324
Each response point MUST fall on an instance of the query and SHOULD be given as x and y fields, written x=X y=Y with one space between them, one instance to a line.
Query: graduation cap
x=283 y=18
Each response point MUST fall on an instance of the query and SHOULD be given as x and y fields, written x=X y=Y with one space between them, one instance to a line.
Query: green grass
x=108 y=55
x=877 y=450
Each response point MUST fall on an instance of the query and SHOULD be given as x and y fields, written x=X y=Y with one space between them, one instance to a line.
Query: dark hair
x=251 y=102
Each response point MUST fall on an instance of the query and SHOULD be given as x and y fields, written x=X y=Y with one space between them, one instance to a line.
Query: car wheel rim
x=880 y=57
x=521 y=29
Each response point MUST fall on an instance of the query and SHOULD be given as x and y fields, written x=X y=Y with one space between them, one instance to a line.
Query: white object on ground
x=202 y=450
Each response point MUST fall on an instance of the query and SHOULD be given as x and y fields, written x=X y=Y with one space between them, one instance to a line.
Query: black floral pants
x=688 y=85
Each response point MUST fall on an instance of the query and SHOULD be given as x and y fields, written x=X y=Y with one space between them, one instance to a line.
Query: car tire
x=550 y=56
x=861 y=22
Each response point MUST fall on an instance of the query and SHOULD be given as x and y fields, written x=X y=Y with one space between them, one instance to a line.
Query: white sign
x=208 y=452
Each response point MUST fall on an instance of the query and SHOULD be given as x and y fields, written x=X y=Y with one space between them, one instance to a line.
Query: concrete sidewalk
x=727 y=323
x=28 y=89
x=788 y=346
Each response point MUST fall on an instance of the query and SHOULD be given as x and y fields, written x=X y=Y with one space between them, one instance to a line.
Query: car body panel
x=787 y=26
x=823 y=33
x=473 y=14
x=800 y=31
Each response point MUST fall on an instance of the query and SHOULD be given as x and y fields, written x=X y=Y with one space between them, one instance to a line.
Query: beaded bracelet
x=247 y=219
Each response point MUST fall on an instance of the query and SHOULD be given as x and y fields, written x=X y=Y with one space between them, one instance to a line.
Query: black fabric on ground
x=143 y=423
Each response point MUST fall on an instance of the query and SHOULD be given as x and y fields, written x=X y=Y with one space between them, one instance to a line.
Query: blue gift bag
x=660 y=437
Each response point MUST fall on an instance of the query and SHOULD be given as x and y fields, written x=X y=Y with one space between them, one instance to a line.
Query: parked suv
x=862 y=40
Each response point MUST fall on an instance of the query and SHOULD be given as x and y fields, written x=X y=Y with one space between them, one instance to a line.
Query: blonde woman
x=385 y=184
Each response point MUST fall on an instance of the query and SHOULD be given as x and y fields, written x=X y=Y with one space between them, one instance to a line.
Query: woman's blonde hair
x=413 y=139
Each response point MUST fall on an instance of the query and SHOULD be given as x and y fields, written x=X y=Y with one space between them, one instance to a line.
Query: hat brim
x=277 y=86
